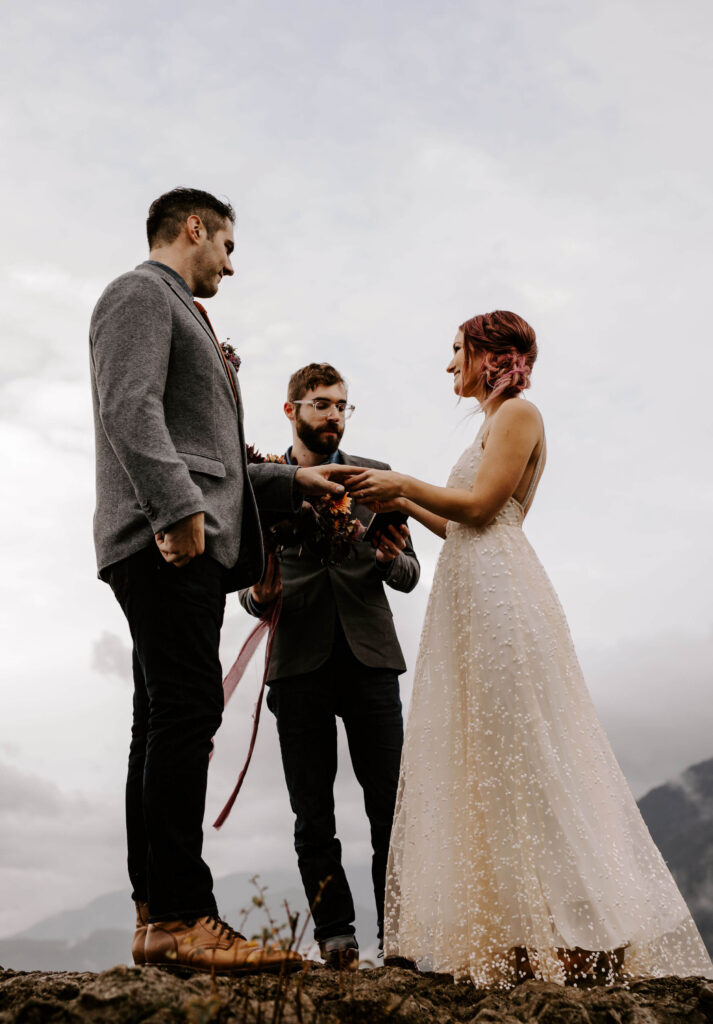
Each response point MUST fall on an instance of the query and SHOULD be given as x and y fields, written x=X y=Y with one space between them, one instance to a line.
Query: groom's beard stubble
x=322 y=440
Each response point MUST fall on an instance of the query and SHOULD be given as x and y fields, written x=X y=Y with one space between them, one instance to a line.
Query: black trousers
x=306 y=707
x=175 y=616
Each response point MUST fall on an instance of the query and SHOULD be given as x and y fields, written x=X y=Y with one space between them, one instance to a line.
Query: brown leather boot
x=523 y=967
x=142 y=923
x=211 y=945
x=586 y=968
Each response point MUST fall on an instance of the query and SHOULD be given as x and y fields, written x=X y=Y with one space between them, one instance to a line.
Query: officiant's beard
x=322 y=440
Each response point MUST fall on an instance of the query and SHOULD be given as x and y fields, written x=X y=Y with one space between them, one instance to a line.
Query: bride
x=517 y=848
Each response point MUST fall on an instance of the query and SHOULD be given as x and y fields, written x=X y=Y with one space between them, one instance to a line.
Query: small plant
x=283 y=934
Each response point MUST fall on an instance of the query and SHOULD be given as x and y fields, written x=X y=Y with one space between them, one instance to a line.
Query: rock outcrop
x=125 y=995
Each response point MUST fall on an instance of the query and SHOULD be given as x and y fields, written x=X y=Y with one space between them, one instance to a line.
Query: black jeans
x=175 y=616
x=306 y=706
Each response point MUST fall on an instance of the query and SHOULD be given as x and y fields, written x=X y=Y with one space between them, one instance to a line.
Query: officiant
x=335 y=654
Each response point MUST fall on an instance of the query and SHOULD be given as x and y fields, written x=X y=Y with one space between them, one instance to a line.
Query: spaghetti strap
x=535 y=478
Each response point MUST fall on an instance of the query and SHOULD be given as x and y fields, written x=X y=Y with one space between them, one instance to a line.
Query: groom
x=335 y=654
x=176 y=527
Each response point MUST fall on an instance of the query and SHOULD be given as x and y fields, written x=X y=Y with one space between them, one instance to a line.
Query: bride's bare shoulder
x=520 y=414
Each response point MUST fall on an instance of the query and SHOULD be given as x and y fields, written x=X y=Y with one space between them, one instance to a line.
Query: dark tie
x=204 y=314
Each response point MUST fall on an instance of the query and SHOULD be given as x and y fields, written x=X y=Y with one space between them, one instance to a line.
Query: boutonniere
x=231 y=355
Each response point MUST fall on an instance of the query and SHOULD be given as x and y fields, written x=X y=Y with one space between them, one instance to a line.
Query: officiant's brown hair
x=312 y=376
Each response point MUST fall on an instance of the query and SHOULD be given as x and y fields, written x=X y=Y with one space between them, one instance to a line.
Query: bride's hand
x=370 y=486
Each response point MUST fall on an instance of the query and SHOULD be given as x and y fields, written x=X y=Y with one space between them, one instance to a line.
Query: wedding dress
x=515 y=837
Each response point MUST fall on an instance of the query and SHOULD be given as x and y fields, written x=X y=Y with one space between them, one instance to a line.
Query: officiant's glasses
x=323 y=405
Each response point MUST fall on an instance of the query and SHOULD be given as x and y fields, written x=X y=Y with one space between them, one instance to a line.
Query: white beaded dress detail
x=514 y=826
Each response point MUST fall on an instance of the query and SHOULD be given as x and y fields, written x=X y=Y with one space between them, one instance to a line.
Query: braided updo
x=507 y=344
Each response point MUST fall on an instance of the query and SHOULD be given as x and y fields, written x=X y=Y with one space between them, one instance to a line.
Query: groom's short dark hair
x=168 y=213
x=310 y=377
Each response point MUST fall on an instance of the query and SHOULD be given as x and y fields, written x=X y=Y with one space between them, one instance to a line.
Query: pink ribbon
x=230 y=683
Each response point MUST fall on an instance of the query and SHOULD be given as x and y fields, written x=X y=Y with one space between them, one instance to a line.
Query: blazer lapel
x=188 y=302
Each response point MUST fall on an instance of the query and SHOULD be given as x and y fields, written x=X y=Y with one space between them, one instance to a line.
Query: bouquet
x=324 y=526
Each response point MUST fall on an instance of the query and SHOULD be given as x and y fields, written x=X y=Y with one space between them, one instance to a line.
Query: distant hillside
x=98 y=936
x=679 y=816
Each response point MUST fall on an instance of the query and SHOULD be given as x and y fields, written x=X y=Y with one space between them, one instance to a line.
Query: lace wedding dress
x=516 y=843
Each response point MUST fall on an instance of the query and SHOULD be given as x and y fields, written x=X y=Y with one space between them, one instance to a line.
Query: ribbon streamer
x=267 y=625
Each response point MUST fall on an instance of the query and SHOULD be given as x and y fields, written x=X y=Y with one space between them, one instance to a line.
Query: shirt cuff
x=385 y=569
x=254 y=607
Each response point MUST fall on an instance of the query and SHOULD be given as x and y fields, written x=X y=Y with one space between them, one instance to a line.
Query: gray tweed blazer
x=314 y=595
x=169 y=433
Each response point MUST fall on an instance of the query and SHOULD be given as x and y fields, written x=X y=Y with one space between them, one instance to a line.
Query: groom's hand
x=183 y=540
x=316 y=480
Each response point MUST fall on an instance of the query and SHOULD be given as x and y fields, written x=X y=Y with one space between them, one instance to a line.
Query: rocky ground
x=321 y=996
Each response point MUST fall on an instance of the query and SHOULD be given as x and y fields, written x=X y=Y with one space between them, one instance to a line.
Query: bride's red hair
x=509 y=349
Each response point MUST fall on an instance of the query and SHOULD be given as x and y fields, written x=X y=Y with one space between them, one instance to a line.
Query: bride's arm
x=515 y=432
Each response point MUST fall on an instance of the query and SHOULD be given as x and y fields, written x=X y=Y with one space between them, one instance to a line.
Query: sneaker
x=139 y=940
x=340 y=951
x=212 y=946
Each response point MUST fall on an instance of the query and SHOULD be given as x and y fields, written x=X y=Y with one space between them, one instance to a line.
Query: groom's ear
x=289 y=410
x=195 y=229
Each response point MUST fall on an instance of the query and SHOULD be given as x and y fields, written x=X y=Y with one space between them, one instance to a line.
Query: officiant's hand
x=389 y=545
x=270 y=586
x=321 y=480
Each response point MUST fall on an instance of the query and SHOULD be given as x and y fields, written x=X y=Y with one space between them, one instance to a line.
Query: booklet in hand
x=381 y=521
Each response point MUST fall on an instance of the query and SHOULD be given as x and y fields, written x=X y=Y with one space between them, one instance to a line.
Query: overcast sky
x=396 y=168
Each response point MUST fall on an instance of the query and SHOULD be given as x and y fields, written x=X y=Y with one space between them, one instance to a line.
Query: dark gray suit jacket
x=314 y=595
x=169 y=433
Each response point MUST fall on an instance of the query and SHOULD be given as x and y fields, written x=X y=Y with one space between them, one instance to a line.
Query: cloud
x=654 y=700
x=396 y=168
x=59 y=849
x=112 y=657
x=26 y=794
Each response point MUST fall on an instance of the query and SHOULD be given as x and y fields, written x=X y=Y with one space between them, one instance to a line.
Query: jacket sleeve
x=403 y=572
x=130 y=347
x=250 y=605
x=274 y=487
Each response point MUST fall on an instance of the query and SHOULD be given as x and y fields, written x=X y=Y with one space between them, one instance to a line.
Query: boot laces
x=223 y=929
